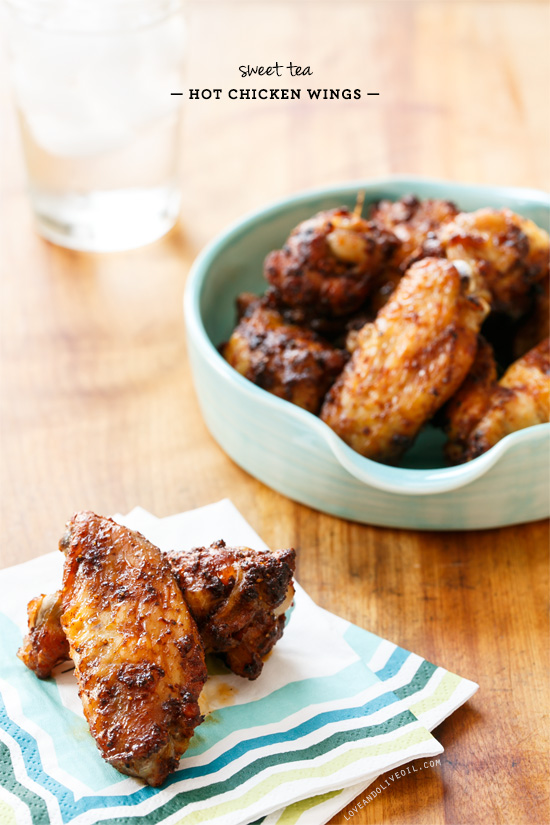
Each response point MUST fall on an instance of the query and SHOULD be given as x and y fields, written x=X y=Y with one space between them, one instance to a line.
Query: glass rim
x=112 y=18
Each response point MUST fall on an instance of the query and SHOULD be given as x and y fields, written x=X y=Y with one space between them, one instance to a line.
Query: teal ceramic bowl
x=298 y=455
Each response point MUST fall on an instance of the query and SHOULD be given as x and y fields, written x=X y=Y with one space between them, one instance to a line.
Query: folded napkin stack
x=334 y=707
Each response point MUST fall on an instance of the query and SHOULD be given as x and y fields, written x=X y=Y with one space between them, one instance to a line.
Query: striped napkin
x=334 y=708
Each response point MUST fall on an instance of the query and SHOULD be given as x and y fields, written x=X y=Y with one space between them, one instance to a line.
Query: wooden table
x=99 y=410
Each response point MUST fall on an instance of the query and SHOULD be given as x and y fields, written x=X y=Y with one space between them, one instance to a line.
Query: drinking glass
x=92 y=81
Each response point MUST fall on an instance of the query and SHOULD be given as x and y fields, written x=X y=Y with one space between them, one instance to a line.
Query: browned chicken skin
x=301 y=317
x=383 y=287
x=238 y=598
x=512 y=253
x=410 y=361
x=139 y=660
x=536 y=326
x=45 y=645
x=415 y=224
x=520 y=399
x=289 y=361
x=469 y=403
x=328 y=263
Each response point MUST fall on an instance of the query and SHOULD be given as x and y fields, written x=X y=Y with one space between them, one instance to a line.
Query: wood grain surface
x=98 y=408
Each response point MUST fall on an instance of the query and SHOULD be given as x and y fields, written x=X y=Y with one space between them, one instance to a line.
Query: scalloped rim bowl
x=294 y=451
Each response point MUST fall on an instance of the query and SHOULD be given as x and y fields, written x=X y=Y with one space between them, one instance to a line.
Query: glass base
x=106 y=221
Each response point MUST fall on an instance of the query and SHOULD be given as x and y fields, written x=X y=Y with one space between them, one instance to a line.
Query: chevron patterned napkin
x=334 y=708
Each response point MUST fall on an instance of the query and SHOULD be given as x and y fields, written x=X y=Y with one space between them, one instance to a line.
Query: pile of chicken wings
x=420 y=313
x=137 y=623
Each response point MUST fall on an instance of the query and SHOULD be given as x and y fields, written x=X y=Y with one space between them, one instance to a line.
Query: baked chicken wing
x=138 y=657
x=415 y=223
x=287 y=360
x=511 y=252
x=520 y=399
x=238 y=598
x=536 y=326
x=328 y=263
x=410 y=361
x=469 y=403
x=45 y=645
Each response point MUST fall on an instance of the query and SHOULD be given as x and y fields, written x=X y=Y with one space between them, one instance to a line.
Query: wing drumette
x=328 y=262
x=139 y=660
x=238 y=597
x=415 y=224
x=45 y=645
x=520 y=399
x=289 y=361
x=469 y=403
x=512 y=254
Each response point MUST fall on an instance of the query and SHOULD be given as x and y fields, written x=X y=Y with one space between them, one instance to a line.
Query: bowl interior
x=233 y=264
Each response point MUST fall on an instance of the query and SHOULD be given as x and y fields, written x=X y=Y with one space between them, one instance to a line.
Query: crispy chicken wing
x=45 y=645
x=238 y=597
x=328 y=263
x=139 y=661
x=469 y=403
x=520 y=399
x=284 y=359
x=536 y=326
x=410 y=361
x=512 y=253
x=415 y=224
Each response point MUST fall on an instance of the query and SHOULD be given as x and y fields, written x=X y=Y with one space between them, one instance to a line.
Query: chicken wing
x=410 y=361
x=45 y=645
x=138 y=657
x=536 y=326
x=284 y=359
x=469 y=403
x=415 y=223
x=238 y=598
x=512 y=253
x=521 y=399
x=328 y=263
